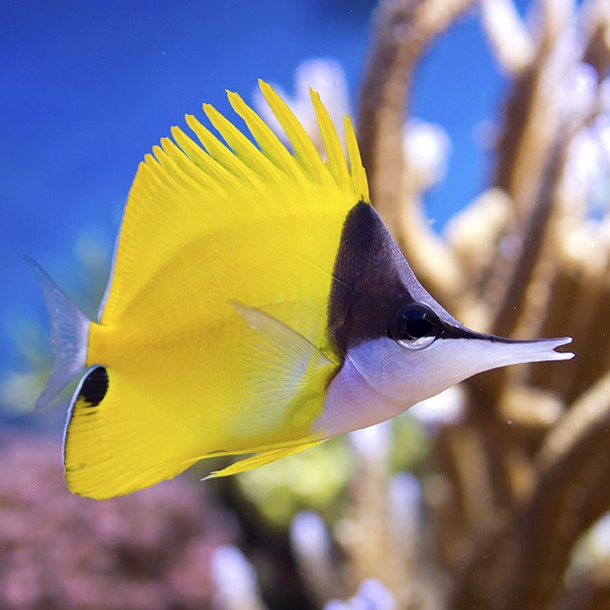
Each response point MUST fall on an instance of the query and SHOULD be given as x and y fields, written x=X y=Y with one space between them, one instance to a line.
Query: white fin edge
x=69 y=330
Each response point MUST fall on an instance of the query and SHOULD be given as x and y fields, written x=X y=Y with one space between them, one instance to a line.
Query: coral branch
x=403 y=31
x=532 y=242
x=570 y=495
x=510 y=41
x=597 y=51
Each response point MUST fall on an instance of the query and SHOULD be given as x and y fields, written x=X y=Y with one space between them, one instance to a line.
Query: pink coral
x=150 y=550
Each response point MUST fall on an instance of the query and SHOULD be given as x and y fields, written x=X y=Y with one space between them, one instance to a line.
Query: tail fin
x=69 y=329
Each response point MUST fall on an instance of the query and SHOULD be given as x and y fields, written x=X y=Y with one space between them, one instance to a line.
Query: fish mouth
x=519 y=351
x=549 y=348
x=502 y=351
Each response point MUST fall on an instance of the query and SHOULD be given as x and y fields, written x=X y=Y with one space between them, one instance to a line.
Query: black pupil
x=417 y=325
x=414 y=321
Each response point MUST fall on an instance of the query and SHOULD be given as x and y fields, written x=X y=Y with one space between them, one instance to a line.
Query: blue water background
x=87 y=88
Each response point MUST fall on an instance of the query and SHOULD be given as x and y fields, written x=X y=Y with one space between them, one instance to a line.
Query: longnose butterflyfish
x=257 y=306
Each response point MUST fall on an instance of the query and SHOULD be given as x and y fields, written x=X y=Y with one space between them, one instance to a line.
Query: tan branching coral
x=524 y=471
x=403 y=30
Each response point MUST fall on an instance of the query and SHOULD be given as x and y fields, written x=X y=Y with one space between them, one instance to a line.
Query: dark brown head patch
x=367 y=288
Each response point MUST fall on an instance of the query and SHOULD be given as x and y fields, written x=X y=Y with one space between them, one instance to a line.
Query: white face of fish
x=382 y=378
x=400 y=346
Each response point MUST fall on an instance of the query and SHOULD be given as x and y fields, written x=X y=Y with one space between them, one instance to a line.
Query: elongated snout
x=402 y=377
x=494 y=351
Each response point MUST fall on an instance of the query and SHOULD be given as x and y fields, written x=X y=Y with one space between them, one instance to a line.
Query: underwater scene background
x=485 y=130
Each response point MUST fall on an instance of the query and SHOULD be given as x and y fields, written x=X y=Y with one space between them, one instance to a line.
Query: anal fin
x=261 y=459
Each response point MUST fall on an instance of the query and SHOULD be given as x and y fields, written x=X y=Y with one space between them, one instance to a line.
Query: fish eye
x=415 y=326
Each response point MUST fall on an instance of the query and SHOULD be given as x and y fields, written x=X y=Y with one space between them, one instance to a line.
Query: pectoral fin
x=284 y=368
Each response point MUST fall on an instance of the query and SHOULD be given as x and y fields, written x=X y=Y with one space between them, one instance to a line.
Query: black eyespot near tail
x=94 y=387
x=102 y=455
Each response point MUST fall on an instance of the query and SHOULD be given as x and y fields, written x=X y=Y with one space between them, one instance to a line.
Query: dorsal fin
x=191 y=187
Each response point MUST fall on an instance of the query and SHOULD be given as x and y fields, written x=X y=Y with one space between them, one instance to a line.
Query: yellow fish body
x=257 y=305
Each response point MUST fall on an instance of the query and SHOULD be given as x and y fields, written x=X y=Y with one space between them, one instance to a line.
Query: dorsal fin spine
x=212 y=150
x=214 y=164
x=357 y=171
x=169 y=157
x=198 y=158
x=268 y=142
x=334 y=151
x=219 y=152
x=173 y=176
x=245 y=150
x=304 y=150
x=184 y=166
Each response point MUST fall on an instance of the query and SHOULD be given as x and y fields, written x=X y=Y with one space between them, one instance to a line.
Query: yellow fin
x=125 y=434
x=304 y=150
x=187 y=192
x=109 y=449
x=260 y=459
x=335 y=159
x=268 y=142
x=356 y=169
x=243 y=148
